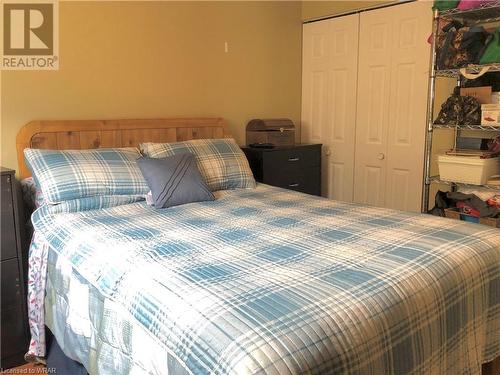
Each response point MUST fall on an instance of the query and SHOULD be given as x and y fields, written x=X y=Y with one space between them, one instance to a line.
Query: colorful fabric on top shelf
x=472 y=4
x=442 y=5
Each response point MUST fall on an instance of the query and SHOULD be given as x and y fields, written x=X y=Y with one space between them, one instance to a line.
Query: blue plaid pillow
x=221 y=162
x=72 y=174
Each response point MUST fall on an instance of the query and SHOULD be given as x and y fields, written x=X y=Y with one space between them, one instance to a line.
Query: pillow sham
x=221 y=162
x=174 y=180
x=64 y=175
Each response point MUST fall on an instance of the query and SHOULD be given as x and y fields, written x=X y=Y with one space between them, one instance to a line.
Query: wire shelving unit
x=488 y=13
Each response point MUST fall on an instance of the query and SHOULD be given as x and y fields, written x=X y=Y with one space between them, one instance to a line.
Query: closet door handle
x=381 y=156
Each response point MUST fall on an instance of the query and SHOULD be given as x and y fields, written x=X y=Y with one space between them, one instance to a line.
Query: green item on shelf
x=445 y=4
x=492 y=51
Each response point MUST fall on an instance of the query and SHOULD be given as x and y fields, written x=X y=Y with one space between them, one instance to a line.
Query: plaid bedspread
x=271 y=281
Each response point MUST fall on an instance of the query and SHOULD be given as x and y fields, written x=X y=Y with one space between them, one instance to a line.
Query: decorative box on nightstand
x=296 y=167
x=14 y=326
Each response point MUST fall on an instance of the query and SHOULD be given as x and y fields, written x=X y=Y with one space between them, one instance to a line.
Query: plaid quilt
x=268 y=281
x=221 y=162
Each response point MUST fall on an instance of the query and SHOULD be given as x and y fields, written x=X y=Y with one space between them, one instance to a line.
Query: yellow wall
x=317 y=9
x=163 y=59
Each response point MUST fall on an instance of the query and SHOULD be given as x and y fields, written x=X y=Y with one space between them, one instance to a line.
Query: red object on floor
x=466 y=209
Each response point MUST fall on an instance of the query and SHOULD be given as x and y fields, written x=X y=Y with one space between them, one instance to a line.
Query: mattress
x=270 y=281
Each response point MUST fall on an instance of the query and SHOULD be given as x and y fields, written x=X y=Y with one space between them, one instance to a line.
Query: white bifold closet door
x=364 y=96
x=392 y=105
x=330 y=64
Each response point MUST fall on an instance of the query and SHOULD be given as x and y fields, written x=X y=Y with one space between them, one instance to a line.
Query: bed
x=260 y=280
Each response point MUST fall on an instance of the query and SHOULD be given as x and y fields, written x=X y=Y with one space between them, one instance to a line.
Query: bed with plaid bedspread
x=273 y=282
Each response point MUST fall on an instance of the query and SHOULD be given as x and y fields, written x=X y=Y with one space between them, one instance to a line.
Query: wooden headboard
x=85 y=134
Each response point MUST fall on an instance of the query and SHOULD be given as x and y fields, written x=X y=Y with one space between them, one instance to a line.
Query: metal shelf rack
x=485 y=14
x=466 y=127
x=437 y=180
x=471 y=68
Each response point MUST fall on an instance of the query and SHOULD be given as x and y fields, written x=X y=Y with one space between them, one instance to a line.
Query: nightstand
x=14 y=325
x=296 y=167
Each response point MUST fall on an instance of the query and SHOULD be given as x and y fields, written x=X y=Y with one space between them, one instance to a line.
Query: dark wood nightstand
x=295 y=167
x=14 y=325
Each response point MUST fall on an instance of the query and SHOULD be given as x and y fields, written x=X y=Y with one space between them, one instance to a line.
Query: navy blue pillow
x=174 y=180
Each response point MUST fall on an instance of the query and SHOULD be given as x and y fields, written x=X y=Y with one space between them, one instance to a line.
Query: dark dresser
x=296 y=167
x=14 y=325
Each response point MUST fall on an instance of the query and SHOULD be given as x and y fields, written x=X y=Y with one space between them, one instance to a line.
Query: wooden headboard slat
x=87 y=134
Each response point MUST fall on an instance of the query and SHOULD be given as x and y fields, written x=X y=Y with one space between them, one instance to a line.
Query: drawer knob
x=294 y=185
x=293 y=159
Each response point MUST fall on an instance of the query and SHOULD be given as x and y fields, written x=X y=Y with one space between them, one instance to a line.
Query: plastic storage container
x=467 y=169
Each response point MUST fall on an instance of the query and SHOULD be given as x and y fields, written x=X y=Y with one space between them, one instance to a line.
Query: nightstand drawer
x=306 y=180
x=295 y=167
x=11 y=284
x=292 y=158
x=8 y=239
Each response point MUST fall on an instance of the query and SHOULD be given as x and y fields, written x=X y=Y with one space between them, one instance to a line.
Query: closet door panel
x=319 y=97
x=328 y=109
x=315 y=58
x=407 y=122
x=391 y=111
x=373 y=190
x=373 y=104
x=343 y=78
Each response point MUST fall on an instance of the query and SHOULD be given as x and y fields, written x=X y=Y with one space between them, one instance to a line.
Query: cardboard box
x=490 y=114
x=482 y=94
x=454 y=213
